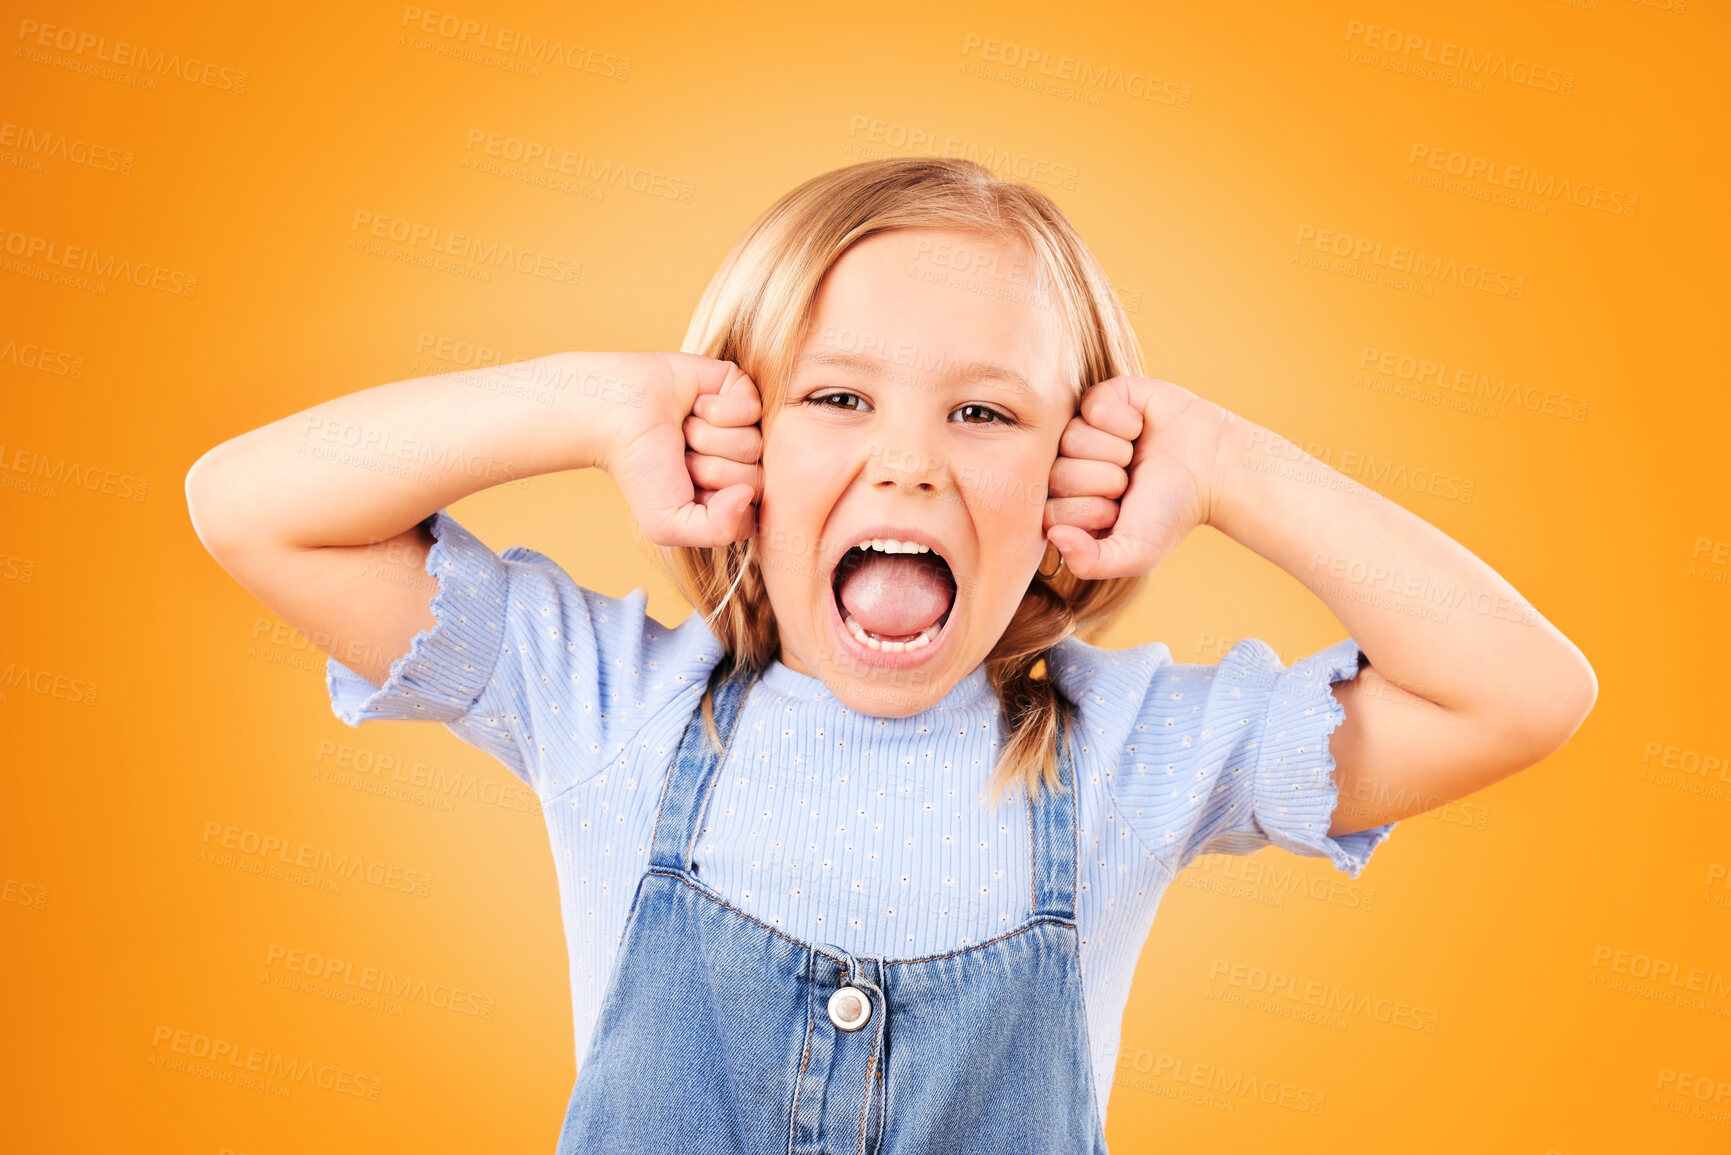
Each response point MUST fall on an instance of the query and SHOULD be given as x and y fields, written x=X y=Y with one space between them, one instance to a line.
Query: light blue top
x=839 y=827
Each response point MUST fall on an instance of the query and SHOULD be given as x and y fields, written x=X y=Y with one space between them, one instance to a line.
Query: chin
x=865 y=697
x=875 y=683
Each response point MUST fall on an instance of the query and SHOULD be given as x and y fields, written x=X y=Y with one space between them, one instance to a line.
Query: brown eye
x=837 y=400
x=980 y=415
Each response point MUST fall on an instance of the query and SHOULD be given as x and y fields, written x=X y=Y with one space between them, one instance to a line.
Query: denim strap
x=690 y=777
x=1052 y=832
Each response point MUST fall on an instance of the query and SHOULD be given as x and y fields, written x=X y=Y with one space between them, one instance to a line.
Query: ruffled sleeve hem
x=1296 y=795
x=448 y=666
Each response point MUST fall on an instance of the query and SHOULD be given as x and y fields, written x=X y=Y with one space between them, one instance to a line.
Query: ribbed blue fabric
x=839 y=827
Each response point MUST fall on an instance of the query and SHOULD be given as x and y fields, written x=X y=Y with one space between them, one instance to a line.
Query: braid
x=1034 y=710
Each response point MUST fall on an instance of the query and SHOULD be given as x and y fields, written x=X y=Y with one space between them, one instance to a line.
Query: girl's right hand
x=686 y=460
x=322 y=517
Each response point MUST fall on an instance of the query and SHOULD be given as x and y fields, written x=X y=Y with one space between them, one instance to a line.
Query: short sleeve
x=550 y=678
x=1232 y=758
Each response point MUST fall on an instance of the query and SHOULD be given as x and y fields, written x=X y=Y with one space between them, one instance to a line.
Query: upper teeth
x=891 y=545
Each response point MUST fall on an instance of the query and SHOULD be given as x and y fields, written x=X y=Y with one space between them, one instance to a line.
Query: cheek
x=1006 y=496
x=796 y=501
x=793 y=450
x=793 y=483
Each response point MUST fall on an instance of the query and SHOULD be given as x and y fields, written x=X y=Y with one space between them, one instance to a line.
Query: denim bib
x=721 y=1035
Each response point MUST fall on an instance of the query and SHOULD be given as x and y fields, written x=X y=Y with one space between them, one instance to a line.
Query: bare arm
x=1466 y=684
x=319 y=514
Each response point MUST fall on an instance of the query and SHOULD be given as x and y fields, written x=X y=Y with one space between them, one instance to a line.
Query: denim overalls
x=719 y=1035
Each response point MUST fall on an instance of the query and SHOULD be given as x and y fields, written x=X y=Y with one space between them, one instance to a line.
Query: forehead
x=925 y=298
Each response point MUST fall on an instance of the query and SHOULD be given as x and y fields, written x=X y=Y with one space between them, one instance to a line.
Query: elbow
x=1576 y=692
x=198 y=498
x=206 y=489
x=1559 y=708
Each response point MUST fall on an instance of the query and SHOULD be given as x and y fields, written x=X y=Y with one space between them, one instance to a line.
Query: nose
x=908 y=453
x=905 y=467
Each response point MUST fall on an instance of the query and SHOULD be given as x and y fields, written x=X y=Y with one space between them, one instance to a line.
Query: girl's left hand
x=1137 y=469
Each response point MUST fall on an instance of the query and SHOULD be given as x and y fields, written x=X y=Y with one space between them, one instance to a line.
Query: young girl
x=860 y=857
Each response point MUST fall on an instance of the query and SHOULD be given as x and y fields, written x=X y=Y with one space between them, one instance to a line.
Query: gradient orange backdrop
x=189 y=199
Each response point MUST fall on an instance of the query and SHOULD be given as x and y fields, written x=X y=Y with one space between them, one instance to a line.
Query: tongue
x=895 y=595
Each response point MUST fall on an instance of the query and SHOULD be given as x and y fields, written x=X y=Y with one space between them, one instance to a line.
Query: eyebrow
x=875 y=366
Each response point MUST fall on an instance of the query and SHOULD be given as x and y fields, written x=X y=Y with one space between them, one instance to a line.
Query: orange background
x=175 y=705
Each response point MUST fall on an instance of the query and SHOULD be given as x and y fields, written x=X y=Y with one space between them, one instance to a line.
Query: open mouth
x=893 y=595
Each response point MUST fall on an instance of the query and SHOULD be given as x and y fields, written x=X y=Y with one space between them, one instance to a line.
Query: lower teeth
x=917 y=642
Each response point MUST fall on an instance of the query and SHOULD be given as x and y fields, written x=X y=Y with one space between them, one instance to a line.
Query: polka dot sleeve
x=1294 y=795
x=550 y=678
x=1231 y=758
x=450 y=667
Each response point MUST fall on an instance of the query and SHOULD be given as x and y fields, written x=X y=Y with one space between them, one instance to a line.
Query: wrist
x=1232 y=468
x=598 y=406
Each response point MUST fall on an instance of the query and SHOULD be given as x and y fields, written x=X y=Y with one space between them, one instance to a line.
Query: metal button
x=850 y=1008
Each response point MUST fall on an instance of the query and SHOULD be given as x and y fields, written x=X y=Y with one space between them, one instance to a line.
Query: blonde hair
x=754 y=314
